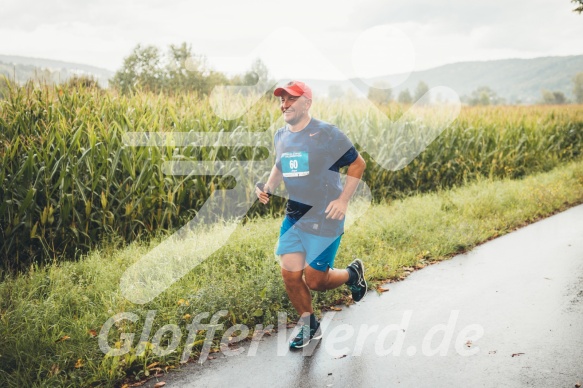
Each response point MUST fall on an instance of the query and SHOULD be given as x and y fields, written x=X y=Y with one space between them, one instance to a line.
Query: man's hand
x=336 y=210
x=263 y=190
x=262 y=195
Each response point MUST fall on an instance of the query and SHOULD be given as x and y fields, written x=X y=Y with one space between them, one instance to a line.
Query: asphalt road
x=507 y=314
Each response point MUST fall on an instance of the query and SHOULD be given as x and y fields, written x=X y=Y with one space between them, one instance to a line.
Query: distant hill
x=516 y=80
x=24 y=68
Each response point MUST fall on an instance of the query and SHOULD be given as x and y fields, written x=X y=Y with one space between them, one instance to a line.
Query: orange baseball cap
x=295 y=88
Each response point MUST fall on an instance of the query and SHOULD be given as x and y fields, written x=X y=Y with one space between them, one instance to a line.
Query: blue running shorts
x=320 y=250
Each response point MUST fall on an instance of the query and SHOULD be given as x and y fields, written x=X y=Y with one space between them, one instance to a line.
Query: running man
x=309 y=154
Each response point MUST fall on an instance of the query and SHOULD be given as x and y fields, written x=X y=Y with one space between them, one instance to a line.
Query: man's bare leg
x=298 y=288
x=328 y=280
x=295 y=286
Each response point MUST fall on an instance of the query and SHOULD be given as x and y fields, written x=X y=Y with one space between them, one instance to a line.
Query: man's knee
x=316 y=280
x=291 y=278
x=316 y=285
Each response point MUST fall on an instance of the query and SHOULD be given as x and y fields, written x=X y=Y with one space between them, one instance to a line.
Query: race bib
x=295 y=164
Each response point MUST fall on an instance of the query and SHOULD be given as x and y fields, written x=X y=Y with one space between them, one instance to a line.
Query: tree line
x=381 y=93
x=178 y=70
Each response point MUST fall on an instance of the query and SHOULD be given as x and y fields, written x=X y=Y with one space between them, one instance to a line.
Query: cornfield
x=70 y=180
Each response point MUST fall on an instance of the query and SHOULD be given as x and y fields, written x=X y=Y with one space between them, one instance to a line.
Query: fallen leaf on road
x=382 y=289
x=152 y=365
x=517 y=354
x=334 y=308
x=160 y=384
x=138 y=384
x=578 y=385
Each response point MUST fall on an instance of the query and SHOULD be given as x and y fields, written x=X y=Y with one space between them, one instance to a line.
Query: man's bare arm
x=337 y=209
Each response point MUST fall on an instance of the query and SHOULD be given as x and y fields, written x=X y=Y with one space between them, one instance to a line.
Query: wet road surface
x=507 y=314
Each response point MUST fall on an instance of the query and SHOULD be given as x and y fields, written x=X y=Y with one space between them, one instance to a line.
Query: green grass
x=39 y=308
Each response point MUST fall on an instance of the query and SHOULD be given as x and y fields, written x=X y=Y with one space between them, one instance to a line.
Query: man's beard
x=296 y=119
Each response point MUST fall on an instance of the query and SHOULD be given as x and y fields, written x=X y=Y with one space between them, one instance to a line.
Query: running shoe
x=305 y=336
x=359 y=288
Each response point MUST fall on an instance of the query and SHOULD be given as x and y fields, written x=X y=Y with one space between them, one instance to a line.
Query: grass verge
x=50 y=317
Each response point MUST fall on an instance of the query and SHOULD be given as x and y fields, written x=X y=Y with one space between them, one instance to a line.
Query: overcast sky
x=297 y=39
